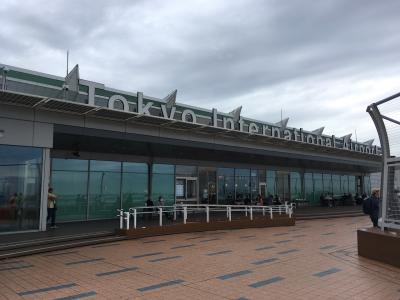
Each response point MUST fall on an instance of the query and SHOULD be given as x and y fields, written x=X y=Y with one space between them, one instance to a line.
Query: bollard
x=208 y=214
x=134 y=218
x=160 y=211
x=127 y=215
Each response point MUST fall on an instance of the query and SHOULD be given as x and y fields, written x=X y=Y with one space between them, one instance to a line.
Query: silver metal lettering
x=253 y=128
x=115 y=98
x=164 y=111
x=187 y=112
x=144 y=110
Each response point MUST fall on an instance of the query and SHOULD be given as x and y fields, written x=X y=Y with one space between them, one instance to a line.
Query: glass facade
x=20 y=187
x=163 y=183
x=94 y=189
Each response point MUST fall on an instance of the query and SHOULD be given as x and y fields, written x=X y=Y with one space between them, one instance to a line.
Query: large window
x=226 y=185
x=242 y=184
x=327 y=178
x=271 y=183
x=69 y=180
x=318 y=187
x=352 y=185
x=104 y=189
x=163 y=183
x=309 y=189
x=282 y=185
x=20 y=186
x=344 y=184
x=336 y=185
x=134 y=184
x=295 y=185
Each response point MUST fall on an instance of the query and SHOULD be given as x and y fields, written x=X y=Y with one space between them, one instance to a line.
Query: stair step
x=12 y=253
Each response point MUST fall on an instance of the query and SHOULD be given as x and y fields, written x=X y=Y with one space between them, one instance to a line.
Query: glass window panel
x=309 y=189
x=20 y=187
x=207 y=185
x=367 y=185
x=163 y=169
x=254 y=184
x=282 y=186
x=71 y=189
x=336 y=185
x=242 y=184
x=271 y=183
x=163 y=185
x=104 y=189
x=190 y=171
x=134 y=189
x=135 y=167
x=105 y=166
x=295 y=186
x=318 y=188
x=226 y=185
x=352 y=185
x=69 y=164
x=344 y=184
x=327 y=181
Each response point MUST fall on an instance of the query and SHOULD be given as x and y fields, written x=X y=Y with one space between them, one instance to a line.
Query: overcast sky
x=321 y=62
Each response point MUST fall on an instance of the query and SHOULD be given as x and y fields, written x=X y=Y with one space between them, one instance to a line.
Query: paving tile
x=84 y=261
x=328 y=233
x=153 y=241
x=283 y=241
x=327 y=247
x=219 y=252
x=183 y=246
x=160 y=285
x=287 y=251
x=10 y=268
x=327 y=272
x=78 y=296
x=117 y=271
x=266 y=282
x=106 y=245
x=147 y=254
x=265 y=261
x=165 y=258
x=265 y=248
x=61 y=253
x=247 y=236
x=209 y=240
x=47 y=289
x=233 y=275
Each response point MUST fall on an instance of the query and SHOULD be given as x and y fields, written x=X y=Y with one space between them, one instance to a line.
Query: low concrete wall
x=202 y=226
x=380 y=246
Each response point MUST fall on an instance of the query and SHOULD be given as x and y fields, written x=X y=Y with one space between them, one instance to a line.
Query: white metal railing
x=183 y=209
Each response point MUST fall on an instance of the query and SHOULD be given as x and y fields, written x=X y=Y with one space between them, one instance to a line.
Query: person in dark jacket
x=374 y=207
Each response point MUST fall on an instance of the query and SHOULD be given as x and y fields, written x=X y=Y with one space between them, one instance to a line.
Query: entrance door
x=262 y=190
x=186 y=190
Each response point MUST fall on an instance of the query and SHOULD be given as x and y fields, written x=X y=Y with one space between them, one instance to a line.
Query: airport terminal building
x=102 y=149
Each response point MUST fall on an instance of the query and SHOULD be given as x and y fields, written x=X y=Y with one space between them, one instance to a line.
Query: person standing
x=51 y=208
x=371 y=207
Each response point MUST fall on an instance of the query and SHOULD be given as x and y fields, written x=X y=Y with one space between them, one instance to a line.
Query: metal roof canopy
x=65 y=106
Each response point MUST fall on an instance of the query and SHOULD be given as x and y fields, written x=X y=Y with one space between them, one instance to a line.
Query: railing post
x=286 y=208
x=121 y=219
x=174 y=212
x=263 y=211
x=127 y=215
x=270 y=213
x=184 y=214
x=251 y=213
x=290 y=212
x=208 y=214
x=280 y=209
x=160 y=212
x=245 y=211
x=230 y=213
x=134 y=218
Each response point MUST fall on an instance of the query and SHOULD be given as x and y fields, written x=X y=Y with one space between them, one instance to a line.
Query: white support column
x=184 y=214
x=245 y=211
x=263 y=211
x=44 y=189
x=134 y=218
x=208 y=214
x=230 y=213
x=270 y=213
x=251 y=213
x=280 y=212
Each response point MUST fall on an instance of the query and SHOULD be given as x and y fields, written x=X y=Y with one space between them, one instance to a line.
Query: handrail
x=183 y=209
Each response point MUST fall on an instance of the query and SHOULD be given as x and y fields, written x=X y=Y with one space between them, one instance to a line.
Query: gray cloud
x=321 y=62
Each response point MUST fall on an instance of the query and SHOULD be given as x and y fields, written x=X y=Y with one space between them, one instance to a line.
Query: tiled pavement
x=316 y=259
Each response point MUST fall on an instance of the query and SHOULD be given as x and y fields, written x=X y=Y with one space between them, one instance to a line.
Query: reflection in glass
x=163 y=183
x=207 y=185
x=134 y=184
x=352 y=185
x=327 y=178
x=226 y=185
x=295 y=186
x=309 y=189
x=104 y=189
x=20 y=185
x=242 y=184
x=69 y=180
x=271 y=183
